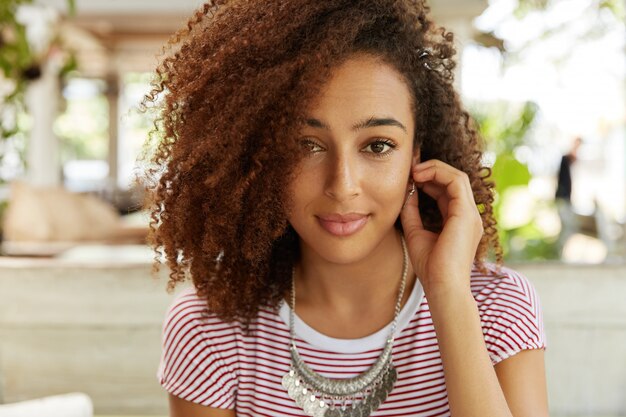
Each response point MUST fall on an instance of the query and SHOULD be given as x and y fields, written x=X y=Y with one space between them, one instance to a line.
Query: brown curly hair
x=231 y=91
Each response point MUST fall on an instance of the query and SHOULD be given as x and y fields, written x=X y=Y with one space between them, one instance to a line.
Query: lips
x=342 y=224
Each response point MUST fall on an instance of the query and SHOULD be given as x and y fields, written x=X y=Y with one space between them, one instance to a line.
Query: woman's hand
x=443 y=261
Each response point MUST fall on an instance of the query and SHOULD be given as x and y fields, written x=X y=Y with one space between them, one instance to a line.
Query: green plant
x=20 y=64
x=505 y=128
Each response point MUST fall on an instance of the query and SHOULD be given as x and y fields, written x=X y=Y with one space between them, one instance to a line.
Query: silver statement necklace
x=359 y=396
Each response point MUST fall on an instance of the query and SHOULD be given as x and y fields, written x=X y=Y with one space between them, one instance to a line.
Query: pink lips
x=343 y=224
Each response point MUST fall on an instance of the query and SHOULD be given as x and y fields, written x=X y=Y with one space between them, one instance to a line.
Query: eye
x=310 y=146
x=381 y=147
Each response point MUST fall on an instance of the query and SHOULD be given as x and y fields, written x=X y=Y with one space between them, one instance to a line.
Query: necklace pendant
x=312 y=405
x=358 y=411
x=358 y=396
x=304 y=397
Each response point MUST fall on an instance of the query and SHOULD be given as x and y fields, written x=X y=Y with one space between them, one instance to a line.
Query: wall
x=95 y=329
x=585 y=318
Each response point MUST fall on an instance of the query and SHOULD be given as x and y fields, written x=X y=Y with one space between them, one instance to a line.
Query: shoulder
x=189 y=312
x=510 y=311
x=199 y=353
x=189 y=325
x=504 y=283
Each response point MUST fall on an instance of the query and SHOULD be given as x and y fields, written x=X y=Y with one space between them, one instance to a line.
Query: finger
x=439 y=195
x=434 y=190
x=454 y=182
x=454 y=171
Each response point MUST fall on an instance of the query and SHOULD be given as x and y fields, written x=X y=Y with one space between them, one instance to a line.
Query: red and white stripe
x=213 y=363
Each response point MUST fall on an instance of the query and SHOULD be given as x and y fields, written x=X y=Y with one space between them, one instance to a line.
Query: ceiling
x=124 y=35
x=186 y=6
x=165 y=16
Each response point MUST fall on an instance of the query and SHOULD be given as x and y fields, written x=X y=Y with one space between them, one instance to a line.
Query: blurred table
x=89 y=255
x=87 y=319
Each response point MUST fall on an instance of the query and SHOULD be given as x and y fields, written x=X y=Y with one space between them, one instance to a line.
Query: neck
x=351 y=289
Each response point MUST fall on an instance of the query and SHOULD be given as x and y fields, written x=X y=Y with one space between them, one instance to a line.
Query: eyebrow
x=364 y=124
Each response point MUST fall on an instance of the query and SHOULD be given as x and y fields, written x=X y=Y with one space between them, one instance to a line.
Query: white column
x=42 y=101
x=457 y=16
x=112 y=93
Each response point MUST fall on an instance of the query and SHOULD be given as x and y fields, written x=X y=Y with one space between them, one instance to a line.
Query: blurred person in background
x=563 y=195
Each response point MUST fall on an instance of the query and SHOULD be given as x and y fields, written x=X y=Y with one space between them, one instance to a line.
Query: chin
x=342 y=253
x=342 y=250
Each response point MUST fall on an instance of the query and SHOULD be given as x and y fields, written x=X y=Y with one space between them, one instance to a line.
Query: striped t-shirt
x=210 y=362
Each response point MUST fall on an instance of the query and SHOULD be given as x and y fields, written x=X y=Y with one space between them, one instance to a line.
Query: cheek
x=303 y=188
x=388 y=184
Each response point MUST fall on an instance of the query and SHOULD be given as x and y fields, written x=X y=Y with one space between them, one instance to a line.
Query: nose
x=342 y=182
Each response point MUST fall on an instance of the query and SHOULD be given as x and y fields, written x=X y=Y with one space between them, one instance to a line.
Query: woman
x=318 y=180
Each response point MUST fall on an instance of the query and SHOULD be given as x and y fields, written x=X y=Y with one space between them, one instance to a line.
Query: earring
x=409 y=195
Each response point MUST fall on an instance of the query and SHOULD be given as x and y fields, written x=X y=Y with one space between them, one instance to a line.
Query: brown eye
x=310 y=146
x=381 y=147
x=378 y=147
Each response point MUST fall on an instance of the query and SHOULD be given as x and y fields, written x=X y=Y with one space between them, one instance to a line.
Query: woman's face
x=351 y=185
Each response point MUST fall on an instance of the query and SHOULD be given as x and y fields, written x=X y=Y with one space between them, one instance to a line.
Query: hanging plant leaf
x=509 y=172
x=71 y=5
x=70 y=65
x=19 y=64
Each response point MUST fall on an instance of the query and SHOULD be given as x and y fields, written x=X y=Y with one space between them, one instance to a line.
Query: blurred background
x=80 y=310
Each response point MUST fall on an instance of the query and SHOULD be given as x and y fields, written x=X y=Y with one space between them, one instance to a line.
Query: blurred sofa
x=42 y=220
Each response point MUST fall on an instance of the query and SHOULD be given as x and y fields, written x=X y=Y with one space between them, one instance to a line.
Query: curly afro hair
x=230 y=91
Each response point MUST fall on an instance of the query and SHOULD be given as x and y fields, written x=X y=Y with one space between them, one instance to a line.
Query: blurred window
x=134 y=125
x=83 y=129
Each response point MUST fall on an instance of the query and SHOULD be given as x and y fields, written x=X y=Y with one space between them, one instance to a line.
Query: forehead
x=363 y=85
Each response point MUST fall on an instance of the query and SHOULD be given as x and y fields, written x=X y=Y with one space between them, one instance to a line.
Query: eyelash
x=387 y=142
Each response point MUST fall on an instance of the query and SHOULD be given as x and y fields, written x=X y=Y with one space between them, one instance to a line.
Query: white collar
x=371 y=342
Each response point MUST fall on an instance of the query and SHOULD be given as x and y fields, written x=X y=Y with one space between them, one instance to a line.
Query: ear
x=416 y=157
